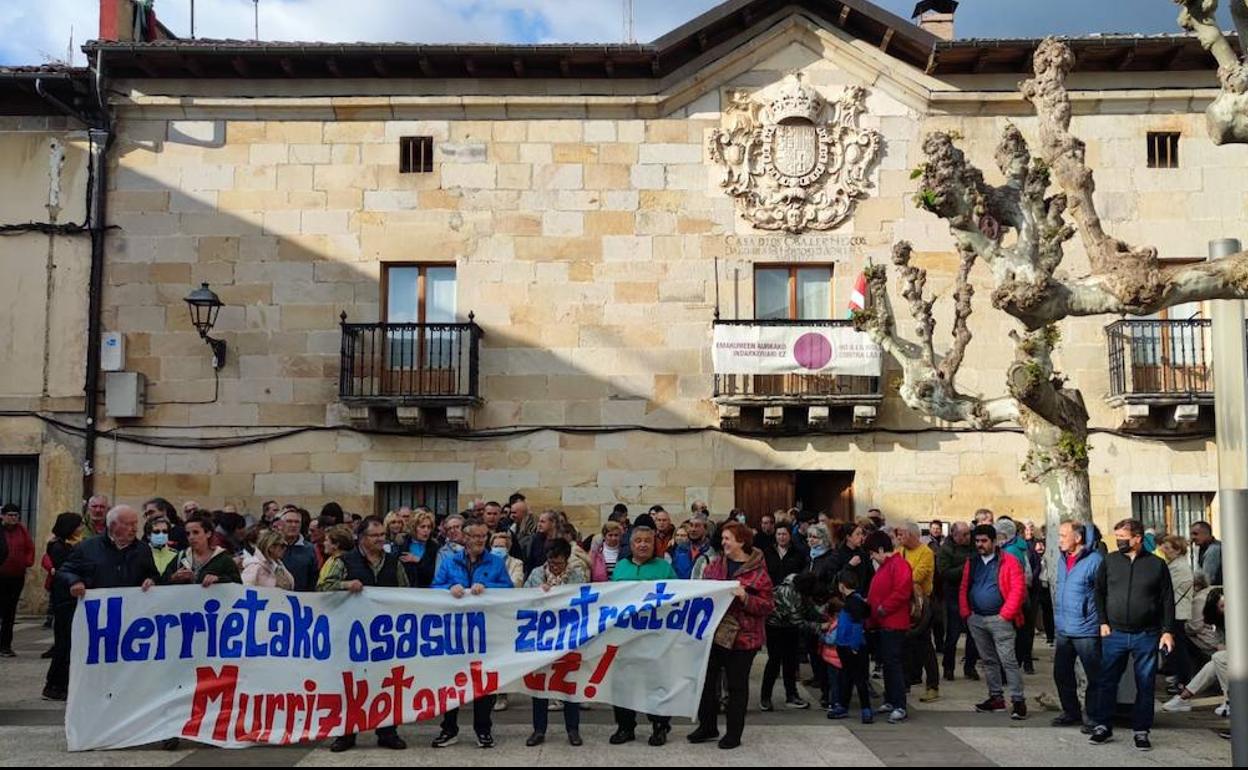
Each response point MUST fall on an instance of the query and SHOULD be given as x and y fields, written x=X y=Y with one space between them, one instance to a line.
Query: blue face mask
x=160 y=539
x=499 y=551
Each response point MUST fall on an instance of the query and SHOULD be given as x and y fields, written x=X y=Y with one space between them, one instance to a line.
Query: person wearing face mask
x=500 y=546
x=560 y=569
x=156 y=532
x=1135 y=607
x=20 y=557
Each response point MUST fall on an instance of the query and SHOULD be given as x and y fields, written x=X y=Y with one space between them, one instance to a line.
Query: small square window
x=415 y=154
x=1163 y=149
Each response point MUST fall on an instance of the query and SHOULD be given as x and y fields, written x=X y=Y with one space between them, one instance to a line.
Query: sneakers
x=1100 y=735
x=764 y=704
x=485 y=741
x=1176 y=704
x=898 y=715
x=445 y=739
x=1222 y=710
x=795 y=703
x=886 y=706
x=868 y=716
x=1142 y=743
x=622 y=736
x=838 y=712
x=931 y=695
x=659 y=736
x=990 y=705
x=501 y=703
x=1018 y=710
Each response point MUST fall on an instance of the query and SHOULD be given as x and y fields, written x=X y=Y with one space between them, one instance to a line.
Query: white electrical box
x=123 y=394
x=113 y=352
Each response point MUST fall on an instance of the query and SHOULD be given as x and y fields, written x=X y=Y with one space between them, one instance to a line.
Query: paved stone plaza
x=944 y=733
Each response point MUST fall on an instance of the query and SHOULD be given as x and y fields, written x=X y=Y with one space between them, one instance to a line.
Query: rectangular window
x=792 y=292
x=441 y=497
x=19 y=484
x=415 y=154
x=1172 y=513
x=1163 y=149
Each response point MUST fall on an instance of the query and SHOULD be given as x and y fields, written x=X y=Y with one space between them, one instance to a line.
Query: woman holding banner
x=739 y=637
x=560 y=569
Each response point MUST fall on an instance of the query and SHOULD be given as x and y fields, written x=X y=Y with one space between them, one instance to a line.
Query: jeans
x=892 y=643
x=1088 y=650
x=852 y=675
x=782 y=649
x=955 y=626
x=1142 y=648
x=541 y=716
x=482 y=717
x=995 y=639
x=736 y=665
x=10 y=593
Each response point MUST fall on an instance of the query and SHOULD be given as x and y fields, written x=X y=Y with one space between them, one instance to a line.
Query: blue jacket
x=490 y=571
x=1074 y=599
x=681 y=557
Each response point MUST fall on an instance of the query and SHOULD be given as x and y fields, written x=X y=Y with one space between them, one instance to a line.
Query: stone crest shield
x=789 y=164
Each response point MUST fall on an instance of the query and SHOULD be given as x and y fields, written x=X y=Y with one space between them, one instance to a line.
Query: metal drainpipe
x=101 y=136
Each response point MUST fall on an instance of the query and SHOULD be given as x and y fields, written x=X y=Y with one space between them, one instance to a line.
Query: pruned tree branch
x=1228 y=115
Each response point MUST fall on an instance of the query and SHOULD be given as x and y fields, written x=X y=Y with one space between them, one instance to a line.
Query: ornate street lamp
x=205 y=305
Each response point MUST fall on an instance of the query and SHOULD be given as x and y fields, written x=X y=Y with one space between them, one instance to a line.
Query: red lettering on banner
x=535 y=680
x=600 y=671
x=356 y=717
x=482 y=685
x=397 y=683
x=560 y=669
x=211 y=686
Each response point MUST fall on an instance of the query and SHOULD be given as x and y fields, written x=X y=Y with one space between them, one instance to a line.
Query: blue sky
x=34 y=31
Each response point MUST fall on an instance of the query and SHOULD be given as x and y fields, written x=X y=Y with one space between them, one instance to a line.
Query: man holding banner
x=471 y=570
x=641 y=564
x=368 y=564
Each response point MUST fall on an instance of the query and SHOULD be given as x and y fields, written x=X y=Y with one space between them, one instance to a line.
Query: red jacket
x=889 y=596
x=1009 y=580
x=759 y=601
x=21 y=552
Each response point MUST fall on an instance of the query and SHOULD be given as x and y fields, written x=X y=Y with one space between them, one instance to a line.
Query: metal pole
x=192 y=19
x=256 y=4
x=1230 y=375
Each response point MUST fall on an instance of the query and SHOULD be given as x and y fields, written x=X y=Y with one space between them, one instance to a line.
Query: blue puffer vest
x=1074 y=601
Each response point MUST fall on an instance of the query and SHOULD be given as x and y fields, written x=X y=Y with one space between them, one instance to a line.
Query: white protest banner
x=235 y=666
x=790 y=349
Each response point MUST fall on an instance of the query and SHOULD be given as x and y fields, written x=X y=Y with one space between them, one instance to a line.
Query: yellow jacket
x=923 y=564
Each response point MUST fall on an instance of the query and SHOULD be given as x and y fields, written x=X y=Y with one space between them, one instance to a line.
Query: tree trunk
x=1057 y=460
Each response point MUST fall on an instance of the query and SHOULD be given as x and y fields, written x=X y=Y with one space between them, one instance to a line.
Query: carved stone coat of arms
x=790 y=164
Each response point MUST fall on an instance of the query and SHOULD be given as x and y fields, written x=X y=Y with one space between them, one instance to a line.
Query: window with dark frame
x=441 y=497
x=415 y=154
x=1172 y=513
x=19 y=484
x=1163 y=149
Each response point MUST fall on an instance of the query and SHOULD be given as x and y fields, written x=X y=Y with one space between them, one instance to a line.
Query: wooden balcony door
x=759 y=492
x=420 y=361
x=793 y=293
x=1171 y=357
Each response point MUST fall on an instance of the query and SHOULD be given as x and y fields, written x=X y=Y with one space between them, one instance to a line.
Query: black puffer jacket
x=99 y=563
x=1134 y=595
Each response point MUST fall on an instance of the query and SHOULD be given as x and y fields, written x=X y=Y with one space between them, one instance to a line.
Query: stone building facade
x=579 y=217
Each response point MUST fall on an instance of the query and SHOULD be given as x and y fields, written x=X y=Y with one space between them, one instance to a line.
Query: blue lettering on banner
x=568 y=628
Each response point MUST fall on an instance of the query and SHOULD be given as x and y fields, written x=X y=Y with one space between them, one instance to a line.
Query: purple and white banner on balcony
x=794 y=349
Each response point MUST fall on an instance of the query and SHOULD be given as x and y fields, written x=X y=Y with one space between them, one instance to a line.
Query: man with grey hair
x=920 y=654
x=116 y=560
x=97 y=510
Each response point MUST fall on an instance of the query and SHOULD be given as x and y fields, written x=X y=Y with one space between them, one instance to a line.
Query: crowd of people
x=857 y=601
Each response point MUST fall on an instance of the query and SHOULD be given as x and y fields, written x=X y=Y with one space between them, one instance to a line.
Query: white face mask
x=159 y=539
x=499 y=551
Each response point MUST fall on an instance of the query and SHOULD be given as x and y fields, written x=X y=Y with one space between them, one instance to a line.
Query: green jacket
x=950 y=560
x=655 y=569
x=792 y=611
